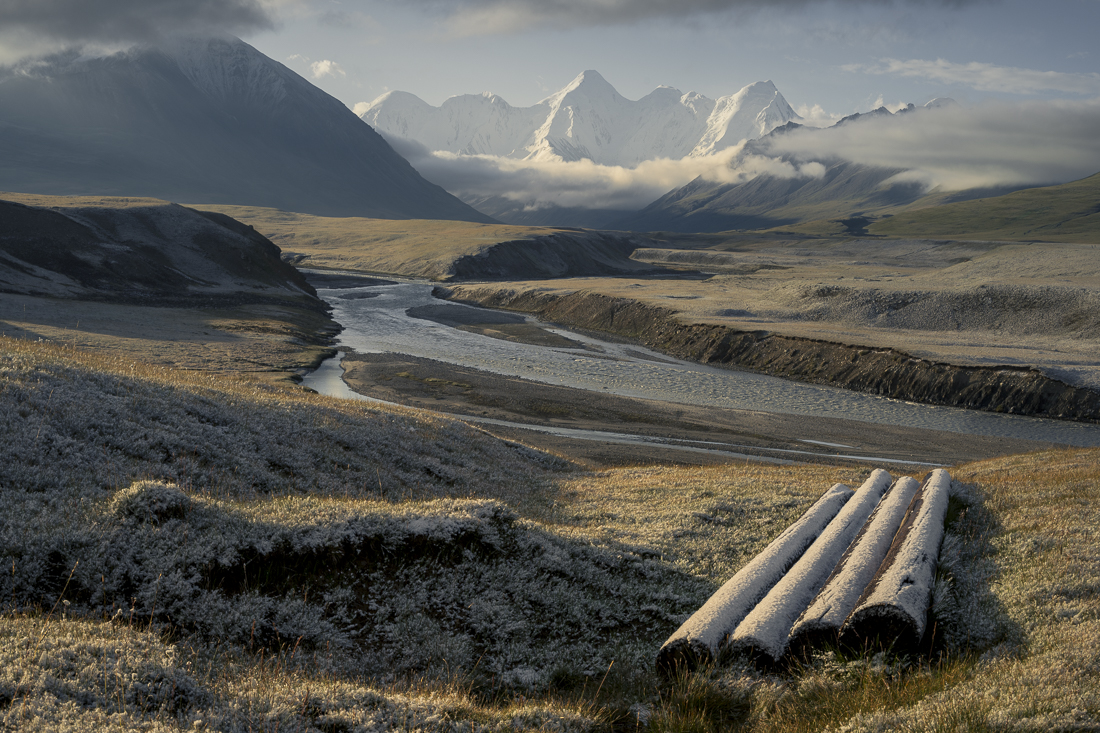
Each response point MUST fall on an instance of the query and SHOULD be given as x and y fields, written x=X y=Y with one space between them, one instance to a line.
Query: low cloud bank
x=585 y=184
x=954 y=148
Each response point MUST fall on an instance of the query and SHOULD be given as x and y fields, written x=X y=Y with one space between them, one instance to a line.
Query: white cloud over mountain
x=324 y=68
x=955 y=148
x=993 y=144
x=986 y=77
x=585 y=184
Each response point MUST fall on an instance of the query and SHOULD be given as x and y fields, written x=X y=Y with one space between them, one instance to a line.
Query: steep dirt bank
x=885 y=372
x=561 y=254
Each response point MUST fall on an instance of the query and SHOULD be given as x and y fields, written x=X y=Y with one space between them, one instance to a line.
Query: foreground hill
x=193 y=552
x=202 y=120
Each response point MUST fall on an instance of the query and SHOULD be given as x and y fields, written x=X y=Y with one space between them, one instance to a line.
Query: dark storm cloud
x=110 y=21
x=502 y=16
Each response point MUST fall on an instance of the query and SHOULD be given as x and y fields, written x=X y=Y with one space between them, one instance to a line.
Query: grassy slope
x=1066 y=213
x=418 y=248
x=330 y=565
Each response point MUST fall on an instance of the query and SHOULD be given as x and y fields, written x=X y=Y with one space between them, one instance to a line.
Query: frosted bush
x=151 y=501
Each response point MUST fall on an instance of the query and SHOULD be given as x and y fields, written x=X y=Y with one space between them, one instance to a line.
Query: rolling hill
x=1069 y=212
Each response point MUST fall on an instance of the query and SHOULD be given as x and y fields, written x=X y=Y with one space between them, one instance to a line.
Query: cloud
x=986 y=77
x=585 y=184
x=113 y=21
x=816 y=116
x=954 y=148
x=324 y=68
x=993 y=144
x=483 y=17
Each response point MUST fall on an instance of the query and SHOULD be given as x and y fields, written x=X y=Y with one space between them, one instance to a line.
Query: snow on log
x=699 y=638
x=893 y=610
x=822 y=621
x=764 y=632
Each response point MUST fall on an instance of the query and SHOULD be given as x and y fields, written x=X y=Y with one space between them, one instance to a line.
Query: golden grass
x=268 y=342
x=1030 y=536
x=413 y=247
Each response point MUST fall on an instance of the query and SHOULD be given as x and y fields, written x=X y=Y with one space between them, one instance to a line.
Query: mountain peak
x=589 y=119
x=587 y=82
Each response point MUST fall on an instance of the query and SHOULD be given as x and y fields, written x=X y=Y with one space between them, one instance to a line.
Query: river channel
x=376 y=320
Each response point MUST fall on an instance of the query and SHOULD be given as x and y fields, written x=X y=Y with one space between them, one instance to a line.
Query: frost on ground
x=184 y=552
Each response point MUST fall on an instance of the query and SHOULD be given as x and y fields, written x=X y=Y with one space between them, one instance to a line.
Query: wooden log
x=893 y=610
x=820 y=624
x=764 y=632
x=698 y=640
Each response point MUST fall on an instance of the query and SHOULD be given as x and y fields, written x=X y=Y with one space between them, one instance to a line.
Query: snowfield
x=585 y=120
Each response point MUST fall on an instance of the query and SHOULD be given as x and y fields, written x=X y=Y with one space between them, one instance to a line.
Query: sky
x=1020 y=67
x=840 y=56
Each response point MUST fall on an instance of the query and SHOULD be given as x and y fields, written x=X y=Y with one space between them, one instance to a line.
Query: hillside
x=332 y=565
x=155 y=282
x=1066 y=213
x=139 y=251
x=444 y=250
x=206 y=120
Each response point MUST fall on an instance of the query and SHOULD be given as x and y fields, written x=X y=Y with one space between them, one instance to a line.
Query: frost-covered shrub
x=151 y=501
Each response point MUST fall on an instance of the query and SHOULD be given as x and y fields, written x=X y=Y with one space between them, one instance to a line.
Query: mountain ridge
x=585 y=120
x=204 y=120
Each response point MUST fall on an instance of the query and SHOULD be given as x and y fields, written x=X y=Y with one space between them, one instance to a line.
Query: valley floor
x=454 y=390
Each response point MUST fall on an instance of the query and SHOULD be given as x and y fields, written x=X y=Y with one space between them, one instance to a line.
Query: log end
x=882 y=627
x=752 y=651
x=810 y=637
x=681 y=656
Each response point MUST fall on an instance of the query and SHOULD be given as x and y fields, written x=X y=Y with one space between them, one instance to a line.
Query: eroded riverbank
x=877 y=371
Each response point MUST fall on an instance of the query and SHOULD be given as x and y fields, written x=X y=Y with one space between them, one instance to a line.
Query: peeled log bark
x=764 y=632
x=893 y=611
x=697 y=641
x=822 y=621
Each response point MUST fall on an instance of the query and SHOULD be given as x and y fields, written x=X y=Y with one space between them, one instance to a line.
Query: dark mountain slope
x=203 y=121
x=140 y=251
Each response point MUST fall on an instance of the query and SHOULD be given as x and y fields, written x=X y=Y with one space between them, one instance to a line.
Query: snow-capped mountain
x=201 y=120
x=588 y=119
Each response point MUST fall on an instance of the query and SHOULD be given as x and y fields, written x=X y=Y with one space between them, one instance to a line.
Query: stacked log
x=893 y=610
x=764 y=632
x=700 y=638
x=821 y=623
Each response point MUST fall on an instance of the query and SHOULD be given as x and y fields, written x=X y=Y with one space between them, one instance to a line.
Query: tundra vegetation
x=184 y=551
